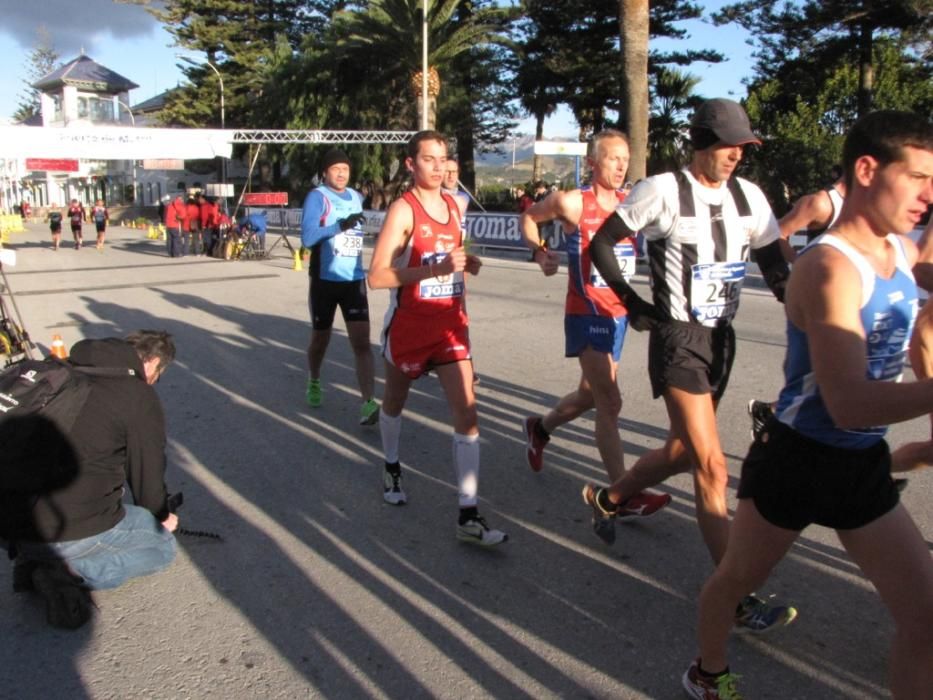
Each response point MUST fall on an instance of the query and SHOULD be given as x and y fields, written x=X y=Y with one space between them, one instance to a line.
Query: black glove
x=642 y=316
x=351 y=221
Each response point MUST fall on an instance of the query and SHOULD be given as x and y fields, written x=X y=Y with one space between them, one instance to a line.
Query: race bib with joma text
x=715 y=290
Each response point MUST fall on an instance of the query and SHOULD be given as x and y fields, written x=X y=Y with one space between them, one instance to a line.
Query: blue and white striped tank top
x=888 y=311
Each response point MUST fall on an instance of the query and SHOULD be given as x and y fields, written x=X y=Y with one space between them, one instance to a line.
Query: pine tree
x=805 y=107
x=239 y=39
x=41 y=61
x=829 y=30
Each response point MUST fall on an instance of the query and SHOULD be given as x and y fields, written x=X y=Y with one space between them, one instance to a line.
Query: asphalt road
x=318 y=589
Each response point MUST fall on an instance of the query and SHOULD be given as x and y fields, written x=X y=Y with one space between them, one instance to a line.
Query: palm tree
x=633 y=110
x=539 y=97
x=667 y=127
x=384 y=36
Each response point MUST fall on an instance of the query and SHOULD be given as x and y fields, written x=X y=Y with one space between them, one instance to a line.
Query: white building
x=83 y=93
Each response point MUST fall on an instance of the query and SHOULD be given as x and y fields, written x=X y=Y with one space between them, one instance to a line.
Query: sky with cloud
x=127 y=39
x=122 y=37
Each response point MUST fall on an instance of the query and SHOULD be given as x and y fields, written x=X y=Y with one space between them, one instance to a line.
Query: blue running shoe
x=756 y=615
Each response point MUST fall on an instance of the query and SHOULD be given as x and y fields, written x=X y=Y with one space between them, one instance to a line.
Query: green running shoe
x=369 y=413
x=314 y=393
x=701 y=687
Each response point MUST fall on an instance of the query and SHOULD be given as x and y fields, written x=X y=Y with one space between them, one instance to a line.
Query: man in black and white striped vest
x=699 y=225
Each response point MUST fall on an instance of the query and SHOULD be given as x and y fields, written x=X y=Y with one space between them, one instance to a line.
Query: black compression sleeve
x=611 y=232
x=773 y=268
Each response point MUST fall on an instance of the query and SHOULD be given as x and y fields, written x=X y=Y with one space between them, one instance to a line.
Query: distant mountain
x=497 y=168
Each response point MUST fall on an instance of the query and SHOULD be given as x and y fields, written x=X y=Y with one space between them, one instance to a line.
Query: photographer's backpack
x=39 y=402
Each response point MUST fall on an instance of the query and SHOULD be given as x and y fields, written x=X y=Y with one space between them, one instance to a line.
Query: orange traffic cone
x=58 y=348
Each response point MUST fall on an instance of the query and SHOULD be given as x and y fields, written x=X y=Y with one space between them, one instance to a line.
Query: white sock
x=390 y=427
x=466 y=462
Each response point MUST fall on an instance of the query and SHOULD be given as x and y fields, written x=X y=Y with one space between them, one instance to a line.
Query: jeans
x=176 y=243
x=138 y=545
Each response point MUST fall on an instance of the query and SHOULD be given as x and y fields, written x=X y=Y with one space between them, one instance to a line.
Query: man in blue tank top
x=331 y=228
x=851 y=304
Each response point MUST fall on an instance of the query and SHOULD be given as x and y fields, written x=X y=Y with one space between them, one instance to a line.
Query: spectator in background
x=162 y=204
x=524 y=199
x=451 y=182
x=256 y=222
x=193 y=226
x=541 y=190
x=176 y=213
x=207 y=217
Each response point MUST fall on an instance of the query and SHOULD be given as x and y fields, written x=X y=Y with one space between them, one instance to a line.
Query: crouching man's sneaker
x=702 y=687
x=475 y=530
x=22 y=575
x=67 y=601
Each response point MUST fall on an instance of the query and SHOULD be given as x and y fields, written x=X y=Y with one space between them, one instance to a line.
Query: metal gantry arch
x=319 y=136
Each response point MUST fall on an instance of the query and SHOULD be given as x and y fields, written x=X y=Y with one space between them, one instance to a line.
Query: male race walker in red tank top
x=420 y=257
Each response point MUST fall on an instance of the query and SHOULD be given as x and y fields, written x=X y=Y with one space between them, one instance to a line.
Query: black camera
x=174 y=501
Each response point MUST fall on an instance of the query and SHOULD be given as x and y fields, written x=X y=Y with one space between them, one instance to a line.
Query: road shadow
x=359 y=598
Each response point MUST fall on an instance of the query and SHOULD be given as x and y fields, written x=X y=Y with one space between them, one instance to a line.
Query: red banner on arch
x=61 y=165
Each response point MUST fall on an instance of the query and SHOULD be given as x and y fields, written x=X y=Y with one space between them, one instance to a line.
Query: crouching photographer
x=74 y=532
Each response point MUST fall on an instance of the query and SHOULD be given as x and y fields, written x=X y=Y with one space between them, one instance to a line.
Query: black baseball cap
x=332 y=157
x=726 y=119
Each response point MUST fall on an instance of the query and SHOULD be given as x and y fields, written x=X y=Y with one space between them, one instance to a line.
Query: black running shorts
x=325 y=296
x=690 y=357
x=795 y=481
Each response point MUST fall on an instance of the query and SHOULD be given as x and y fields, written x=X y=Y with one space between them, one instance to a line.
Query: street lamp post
x=424 y=64
x=133 y=122
x=223 y=120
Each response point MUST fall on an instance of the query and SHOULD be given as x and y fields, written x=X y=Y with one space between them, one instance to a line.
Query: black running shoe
x=760 y=412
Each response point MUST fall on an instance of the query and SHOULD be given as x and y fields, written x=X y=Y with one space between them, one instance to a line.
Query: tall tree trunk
x=866 y=77
x=539 y=135
x=465 y=145
x=633 y=117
